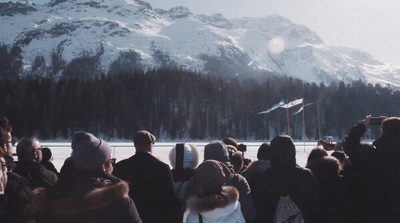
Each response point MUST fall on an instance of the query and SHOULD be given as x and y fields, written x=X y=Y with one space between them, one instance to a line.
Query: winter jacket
x=151 y=187
x=36 y=174
x=255 y=166
x=299 y=183
x=220 y=208
x=331 y=187
x=19 y=194
x=373 y=177
x=245 y=193
x=98 y=197
x=50 y=166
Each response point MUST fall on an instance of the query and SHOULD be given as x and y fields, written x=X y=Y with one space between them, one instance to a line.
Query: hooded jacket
x=223 y=207
x=282 y=179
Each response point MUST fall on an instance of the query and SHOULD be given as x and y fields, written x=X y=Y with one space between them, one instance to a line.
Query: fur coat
x=101 y=201
x=221 y=208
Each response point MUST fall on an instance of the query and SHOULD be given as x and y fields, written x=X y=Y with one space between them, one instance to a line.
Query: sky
x=372 y=26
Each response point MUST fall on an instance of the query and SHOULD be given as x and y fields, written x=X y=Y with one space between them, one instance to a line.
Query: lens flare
x=276 y=45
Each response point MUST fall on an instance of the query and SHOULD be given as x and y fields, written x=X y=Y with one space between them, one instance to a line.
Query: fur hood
x=229 y=195
x=222 y=208
x=94 y=199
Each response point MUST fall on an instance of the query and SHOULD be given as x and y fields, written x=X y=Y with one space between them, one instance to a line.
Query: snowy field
x=123 y=150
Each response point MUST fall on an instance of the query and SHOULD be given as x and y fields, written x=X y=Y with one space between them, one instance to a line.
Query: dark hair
x=46 y=154
x=315 y=154
x=391 y=127
x=5 y=128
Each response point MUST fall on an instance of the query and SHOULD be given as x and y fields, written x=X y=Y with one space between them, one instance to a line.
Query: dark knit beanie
x=216 y=150
x=263 y=152
x=88 y=151
x=211 y=175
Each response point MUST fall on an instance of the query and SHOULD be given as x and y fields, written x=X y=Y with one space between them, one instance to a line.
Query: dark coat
x=299 y=183
x=151 y=187
x=50 y=166
x=332 y=189
x=19 y=194
x=373 y=176
x=36 y=174
x=98 y=198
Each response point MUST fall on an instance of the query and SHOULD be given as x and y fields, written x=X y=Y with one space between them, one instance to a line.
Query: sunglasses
x=113 y=161
x=13 y=141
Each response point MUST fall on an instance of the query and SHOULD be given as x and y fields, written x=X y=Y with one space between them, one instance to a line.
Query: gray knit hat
x=216 y=150
x=88 y=151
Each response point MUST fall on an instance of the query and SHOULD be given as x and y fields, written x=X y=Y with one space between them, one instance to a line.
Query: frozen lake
x=123 y=150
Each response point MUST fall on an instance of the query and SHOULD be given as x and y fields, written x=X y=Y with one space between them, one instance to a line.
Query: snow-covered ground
x=123 y=150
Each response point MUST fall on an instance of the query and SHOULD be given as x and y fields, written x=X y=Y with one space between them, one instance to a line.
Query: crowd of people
x=354 y=181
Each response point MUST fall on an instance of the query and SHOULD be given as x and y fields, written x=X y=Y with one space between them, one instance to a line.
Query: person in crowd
x=3 y=184
x=18 y=196
x=214 y=202
x=236 y=159
x=87 y=192
x=332 y=189
x=150 y=181
x=261 y=164
x=29 y=156
x=47 y=158
x=316 y=153
x=282 y=179
x=229 y=141
x=342 y=157
x=184 y=158
x=217 y=150
x=377 y=167
x=17 y=192
x=6 y=141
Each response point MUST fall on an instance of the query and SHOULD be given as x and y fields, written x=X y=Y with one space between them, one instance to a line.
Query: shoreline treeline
x=178 y=104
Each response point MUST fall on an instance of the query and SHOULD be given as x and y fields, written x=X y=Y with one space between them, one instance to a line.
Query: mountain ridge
x=177 y=37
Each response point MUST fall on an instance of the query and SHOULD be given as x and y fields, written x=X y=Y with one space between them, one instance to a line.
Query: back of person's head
x=325 y=167
x=283 y=152
x=143 y=139
x=264 y=152
x=237 y=161
x=216 y=150
x=46 y=154
x=28 y=149
x=88 y=151
x=340 y=155
x=190 y=156
x=316 y=153
x=230 y=141
x=210 y=176
x=391 y=127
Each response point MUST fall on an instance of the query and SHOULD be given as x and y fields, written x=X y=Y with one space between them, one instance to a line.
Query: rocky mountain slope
x=131 y=33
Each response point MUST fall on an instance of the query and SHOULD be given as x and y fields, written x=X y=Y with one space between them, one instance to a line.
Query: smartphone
x=375 y=121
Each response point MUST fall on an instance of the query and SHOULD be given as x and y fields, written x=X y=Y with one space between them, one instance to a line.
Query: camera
x=242 y=147
x=375 y=121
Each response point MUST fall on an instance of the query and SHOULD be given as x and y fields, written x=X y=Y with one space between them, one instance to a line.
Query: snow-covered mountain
x=204 y=43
